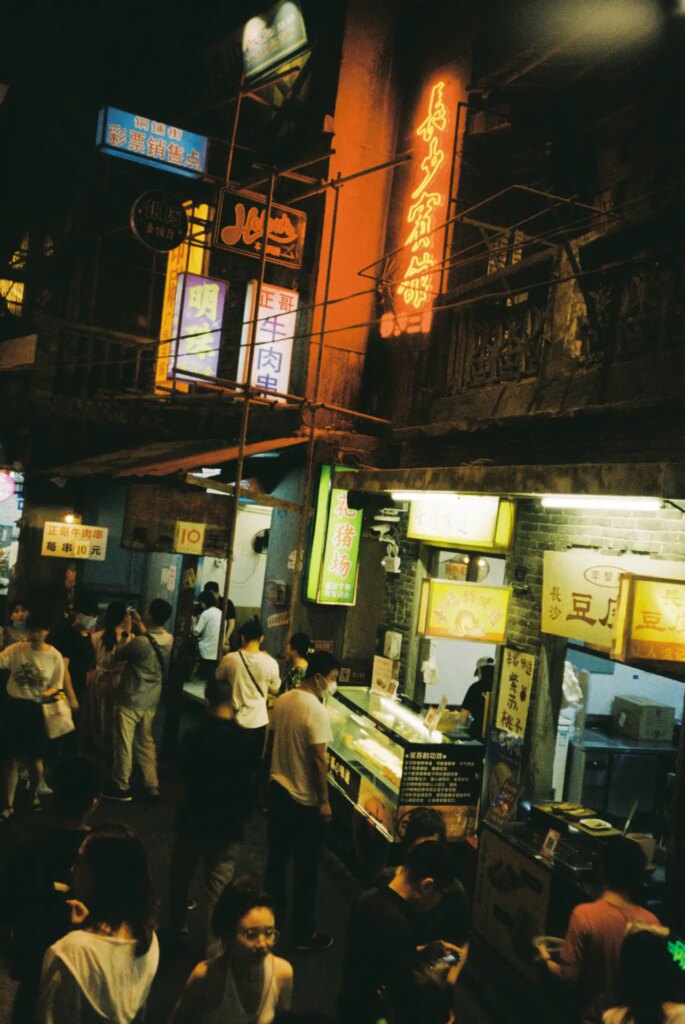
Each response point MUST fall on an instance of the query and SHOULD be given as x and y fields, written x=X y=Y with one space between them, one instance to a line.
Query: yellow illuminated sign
x=470 y=520
x=464 y=611
x=650 y=620
x=186 y=258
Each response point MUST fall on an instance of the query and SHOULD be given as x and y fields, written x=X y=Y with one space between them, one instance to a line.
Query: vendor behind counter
x=477 y=699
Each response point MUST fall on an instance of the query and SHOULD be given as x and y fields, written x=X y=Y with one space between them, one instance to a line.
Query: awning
x=166 y=457
x=650 y=479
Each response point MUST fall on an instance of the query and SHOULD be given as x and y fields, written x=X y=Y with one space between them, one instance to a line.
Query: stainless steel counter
x=596 y=739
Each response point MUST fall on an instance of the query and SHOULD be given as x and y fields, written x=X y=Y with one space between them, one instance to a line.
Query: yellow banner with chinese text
x=466 y=611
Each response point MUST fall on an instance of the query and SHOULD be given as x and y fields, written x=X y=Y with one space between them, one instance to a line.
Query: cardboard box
x=643 y=719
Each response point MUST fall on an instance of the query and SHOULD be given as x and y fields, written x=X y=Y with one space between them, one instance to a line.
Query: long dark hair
x=119 y=887
x=236 y=900
x=114 y=616
x=647 y=976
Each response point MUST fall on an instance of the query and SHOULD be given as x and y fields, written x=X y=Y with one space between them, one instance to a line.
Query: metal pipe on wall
x=311 y=444
x=246 y=410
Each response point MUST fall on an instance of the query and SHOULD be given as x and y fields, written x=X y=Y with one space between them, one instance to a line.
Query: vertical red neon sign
x=419 y=263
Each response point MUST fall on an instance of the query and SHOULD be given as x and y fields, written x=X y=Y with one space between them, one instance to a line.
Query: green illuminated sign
x=334 y=559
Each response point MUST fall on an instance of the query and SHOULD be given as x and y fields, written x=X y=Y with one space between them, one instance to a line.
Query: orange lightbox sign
x=420 y=261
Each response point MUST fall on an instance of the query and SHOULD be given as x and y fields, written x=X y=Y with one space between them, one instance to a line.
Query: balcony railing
x=78 y=361
x=635 y=311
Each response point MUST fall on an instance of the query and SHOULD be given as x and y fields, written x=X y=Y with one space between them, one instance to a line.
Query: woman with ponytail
x=103 y=970
x=648 y=982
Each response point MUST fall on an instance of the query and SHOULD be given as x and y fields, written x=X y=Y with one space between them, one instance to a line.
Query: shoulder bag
x=249 y=672
x=57 y=717
x=158 y=651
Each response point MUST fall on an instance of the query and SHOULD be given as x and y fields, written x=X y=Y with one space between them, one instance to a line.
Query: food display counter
x=520 y=894
x=386 y=761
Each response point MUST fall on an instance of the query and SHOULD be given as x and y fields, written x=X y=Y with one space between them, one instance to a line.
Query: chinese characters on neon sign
x=334 y=557
x=427 y=209
x=274 y=332
x=197 y=325
x=146 y=141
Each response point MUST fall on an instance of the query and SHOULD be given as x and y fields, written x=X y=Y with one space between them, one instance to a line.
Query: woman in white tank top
x=247 y=984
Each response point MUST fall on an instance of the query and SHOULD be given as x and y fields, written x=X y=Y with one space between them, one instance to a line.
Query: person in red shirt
x=590 y=955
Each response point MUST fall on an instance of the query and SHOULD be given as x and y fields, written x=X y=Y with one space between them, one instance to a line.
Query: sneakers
x=316 y=942
x=114 y=792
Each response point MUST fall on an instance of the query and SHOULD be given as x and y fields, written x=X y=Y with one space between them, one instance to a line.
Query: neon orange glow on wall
x=419 y=263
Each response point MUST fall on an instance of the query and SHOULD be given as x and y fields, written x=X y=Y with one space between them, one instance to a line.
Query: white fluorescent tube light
x=424 y=496
x=601 y=503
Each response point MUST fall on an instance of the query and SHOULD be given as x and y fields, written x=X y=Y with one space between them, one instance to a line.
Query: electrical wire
x=314 y=337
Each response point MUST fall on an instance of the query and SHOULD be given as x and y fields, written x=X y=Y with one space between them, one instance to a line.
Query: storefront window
x=452 y=663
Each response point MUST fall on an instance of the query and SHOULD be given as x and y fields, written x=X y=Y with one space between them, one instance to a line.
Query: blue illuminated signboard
x=145 y=141
x=197 y=325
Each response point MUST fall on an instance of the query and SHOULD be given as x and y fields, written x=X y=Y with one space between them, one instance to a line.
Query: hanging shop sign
x=515 y=685
x=188 y=257
x=273 y=337
x=334 y=558
x=240 y=228
x=196 y=330
x=62 y=540
x=580 y=591
x=150 y=142
x=650 y=620
x=159 y=220
x=463 y=611
x=272 y=36
x=153 y=512
x=419 y=262
x=472 y=520
x=189 y=538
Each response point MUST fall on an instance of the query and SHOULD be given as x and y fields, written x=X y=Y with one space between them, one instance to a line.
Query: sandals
x=6 y=814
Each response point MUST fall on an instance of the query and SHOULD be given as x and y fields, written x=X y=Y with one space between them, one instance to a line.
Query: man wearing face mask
x=299 y=808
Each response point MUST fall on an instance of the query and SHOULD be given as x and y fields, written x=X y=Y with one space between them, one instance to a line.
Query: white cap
x=482 y=662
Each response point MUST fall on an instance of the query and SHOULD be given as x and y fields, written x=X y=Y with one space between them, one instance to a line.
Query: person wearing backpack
x=145 y=660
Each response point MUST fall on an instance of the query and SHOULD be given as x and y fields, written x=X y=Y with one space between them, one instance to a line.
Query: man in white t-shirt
x=253 y=675
x=207 y=632
x=299 y=809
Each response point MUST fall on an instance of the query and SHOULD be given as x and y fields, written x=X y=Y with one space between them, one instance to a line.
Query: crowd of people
x=78 y=905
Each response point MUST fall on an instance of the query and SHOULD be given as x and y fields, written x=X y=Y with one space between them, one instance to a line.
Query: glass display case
x=386 y=761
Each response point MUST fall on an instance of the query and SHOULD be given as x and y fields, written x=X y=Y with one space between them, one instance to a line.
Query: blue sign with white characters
x=154 y=143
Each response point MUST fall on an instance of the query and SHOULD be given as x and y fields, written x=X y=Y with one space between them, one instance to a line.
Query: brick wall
x=399 y=598
x=659 y=534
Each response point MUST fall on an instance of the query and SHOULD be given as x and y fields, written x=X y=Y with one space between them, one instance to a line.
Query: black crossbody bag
x=249 y=672
x=160 y=657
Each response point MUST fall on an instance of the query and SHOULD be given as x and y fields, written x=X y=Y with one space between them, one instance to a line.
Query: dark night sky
x=64 y=60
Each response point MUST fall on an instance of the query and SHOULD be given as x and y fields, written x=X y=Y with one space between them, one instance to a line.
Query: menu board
x=442 y=775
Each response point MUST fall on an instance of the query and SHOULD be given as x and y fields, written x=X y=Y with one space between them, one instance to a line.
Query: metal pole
x=176 y=336
x=246 y=410
x=311 y=445
x=234 y=129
